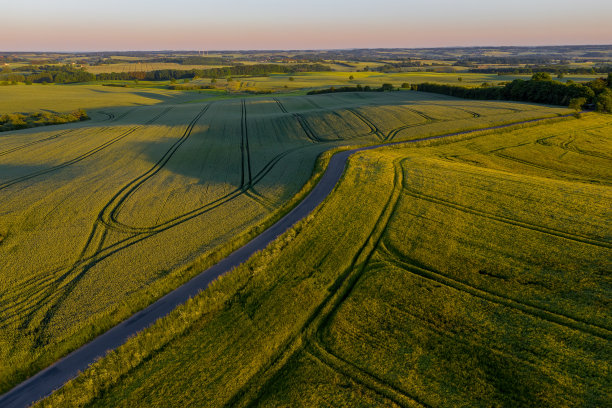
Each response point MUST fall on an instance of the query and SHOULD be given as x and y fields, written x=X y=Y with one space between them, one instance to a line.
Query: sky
x=117 y=25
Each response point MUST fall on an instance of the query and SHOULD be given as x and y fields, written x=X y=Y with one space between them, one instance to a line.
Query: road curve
x=53 y=377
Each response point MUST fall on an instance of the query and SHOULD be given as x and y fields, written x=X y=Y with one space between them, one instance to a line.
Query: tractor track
x=250 y=393
x=566 y=146
x=310 y=134
x=393 y=257
x=54 y=376
x=35 y=142
x=374 y=130
x=533 y=227
x=82 y=156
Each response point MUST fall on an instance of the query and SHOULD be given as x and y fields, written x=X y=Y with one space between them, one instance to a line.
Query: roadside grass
x=471 y=271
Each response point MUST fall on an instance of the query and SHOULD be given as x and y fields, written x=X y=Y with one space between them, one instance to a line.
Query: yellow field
x=459 y=272
x=108 y=212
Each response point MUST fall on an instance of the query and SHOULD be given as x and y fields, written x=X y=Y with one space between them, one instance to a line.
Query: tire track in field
x=94 y=250
x=61 y=287
x=374 y=130
x=582 y=176
x=123 y=115
x=332 y=112
x=54 y=376
x=308 y=337
x=41 y=295
x=393 y=257
x=244 y=148
x=109 y=115
x=371 y=382
x=478 y=341
x=82 y=156
x=115 y=224
x=517 y=223
x=35 y=142
x=566 y=146
x=310 y=134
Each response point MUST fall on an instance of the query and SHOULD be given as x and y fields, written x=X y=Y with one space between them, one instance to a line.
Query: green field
x=93 y=206
x=472 y=271
x=313 y=80
x=65 y=98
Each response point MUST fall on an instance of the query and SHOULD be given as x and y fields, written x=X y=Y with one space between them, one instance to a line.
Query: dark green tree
x=541 y=76
x=604 y=101
x=577 y=103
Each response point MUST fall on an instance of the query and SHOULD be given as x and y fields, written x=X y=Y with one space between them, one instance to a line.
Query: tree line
x=540 y=89
x=550 y=69
x=358 y=88
x=221 y=72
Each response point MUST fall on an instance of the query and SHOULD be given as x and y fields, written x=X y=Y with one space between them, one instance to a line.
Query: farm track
x=517 y=223
x=66 y=368
x=393 y=257
x=82 y=156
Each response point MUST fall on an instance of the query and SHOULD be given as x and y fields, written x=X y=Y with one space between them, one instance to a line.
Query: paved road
x=54 y=376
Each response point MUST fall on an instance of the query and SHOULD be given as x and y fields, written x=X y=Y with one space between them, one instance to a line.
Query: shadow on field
x=11 y=171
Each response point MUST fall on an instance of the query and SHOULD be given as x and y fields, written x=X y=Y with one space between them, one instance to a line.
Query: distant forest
x=67 y=74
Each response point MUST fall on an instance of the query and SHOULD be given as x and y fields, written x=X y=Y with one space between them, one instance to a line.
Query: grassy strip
x=15 y=121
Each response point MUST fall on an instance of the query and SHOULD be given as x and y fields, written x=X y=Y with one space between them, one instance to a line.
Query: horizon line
x=310 y=49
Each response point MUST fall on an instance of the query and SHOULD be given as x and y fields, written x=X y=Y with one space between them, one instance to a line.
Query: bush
x=17 y=121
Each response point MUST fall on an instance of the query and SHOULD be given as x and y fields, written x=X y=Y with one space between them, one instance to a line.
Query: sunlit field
x=110 y=213
x=471 y=271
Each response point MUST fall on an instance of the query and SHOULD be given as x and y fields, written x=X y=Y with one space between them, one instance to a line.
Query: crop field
x=65 y=98
x=472 y=271
x=143 y=67
x=110 y=212
x=309 y=80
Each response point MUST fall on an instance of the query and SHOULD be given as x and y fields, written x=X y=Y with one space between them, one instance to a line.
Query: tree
x=604 y=101
x=577 y=103
x=541 y=76
x=405 y=85
x=560 y=75
x=386 y=87
x=459 y=79
x=292 y=79
x=351 y=78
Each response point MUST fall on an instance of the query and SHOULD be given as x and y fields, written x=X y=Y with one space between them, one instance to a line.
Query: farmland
x=468 y=271
x=93 y=206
